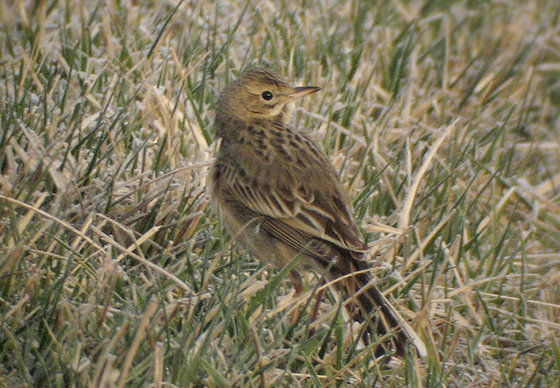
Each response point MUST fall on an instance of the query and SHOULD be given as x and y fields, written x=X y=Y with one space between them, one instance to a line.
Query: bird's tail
x=365 y=300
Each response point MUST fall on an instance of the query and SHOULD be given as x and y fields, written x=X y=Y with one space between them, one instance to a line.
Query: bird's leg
x=318 y=299
x=298 y=287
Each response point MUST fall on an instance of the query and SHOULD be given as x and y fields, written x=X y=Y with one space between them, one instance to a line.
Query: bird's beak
x=303 y=91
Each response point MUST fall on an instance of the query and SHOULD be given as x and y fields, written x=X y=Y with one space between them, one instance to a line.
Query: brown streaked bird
x=280 y=197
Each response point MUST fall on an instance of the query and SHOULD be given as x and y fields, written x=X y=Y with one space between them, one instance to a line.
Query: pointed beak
x=303 y=91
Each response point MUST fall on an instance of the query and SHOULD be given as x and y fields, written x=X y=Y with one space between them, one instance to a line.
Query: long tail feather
x=369 y=299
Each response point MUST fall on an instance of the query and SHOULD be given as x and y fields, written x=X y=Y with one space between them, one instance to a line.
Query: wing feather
x=297 y=186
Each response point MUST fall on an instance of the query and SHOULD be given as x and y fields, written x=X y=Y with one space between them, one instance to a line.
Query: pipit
x=280 y=197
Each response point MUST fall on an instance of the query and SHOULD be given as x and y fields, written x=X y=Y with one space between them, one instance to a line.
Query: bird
x=280 y=198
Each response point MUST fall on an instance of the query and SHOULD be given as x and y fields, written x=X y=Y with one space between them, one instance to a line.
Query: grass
x=441 y=117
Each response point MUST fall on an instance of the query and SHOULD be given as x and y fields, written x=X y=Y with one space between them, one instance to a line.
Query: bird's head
x=260 y=94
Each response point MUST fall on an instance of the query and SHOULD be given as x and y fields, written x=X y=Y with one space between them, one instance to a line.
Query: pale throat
x=287 y=113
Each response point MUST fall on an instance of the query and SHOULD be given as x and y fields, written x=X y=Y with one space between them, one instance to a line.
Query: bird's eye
x=267 y=95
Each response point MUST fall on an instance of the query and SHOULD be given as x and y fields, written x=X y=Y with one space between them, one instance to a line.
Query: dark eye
x=267 y=95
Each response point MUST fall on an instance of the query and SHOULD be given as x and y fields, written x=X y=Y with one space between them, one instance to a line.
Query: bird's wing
x=292 y=182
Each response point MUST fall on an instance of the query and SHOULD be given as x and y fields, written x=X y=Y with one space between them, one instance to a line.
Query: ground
x=442 y=117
